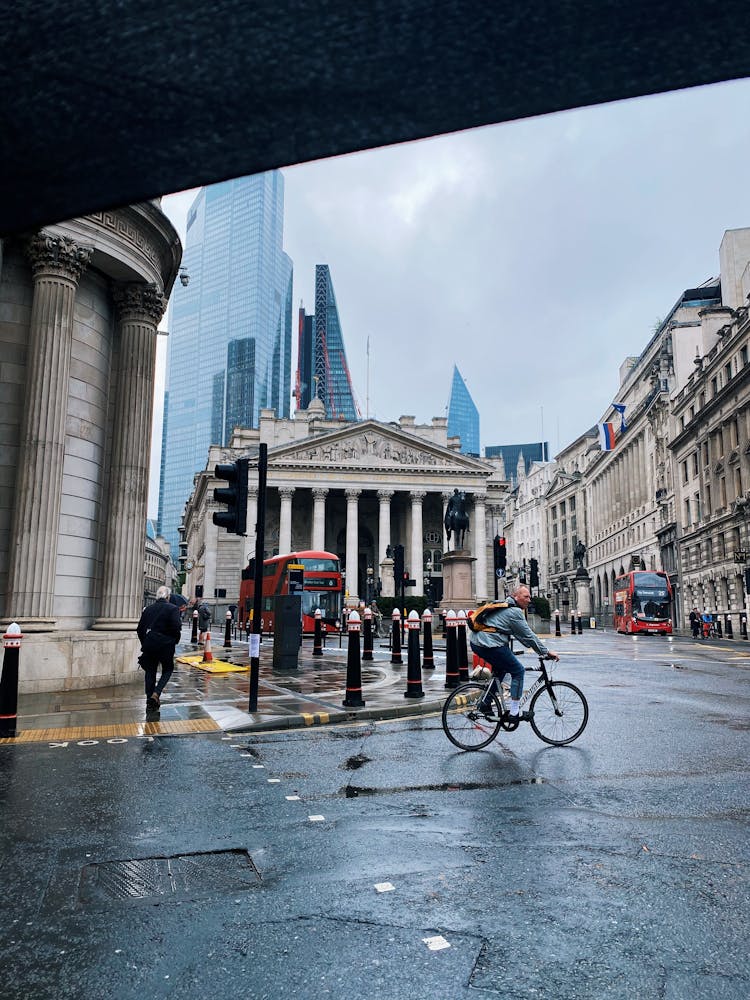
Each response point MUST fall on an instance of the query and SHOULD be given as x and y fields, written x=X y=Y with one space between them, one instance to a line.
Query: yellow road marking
x=177 y=727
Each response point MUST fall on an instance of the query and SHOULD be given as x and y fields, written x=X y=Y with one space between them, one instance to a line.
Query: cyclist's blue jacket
x=510 y=622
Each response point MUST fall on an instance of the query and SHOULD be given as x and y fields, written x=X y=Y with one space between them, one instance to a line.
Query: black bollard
x=9 y=681
x=318 y=635
x=194 y=633
x=728 y=627
x=451 y=651
x=413 y=669
x=580 y=626
x=717 y=623
x=743 y=626
x=428 y=658
x=572 y=623
x=557 y=624
x=354 y=697
x=462 y=654
x=228 y=630
x=396 y=637
x=367 y=635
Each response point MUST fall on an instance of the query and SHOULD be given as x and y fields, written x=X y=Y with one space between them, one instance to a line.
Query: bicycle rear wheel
x=560 y=714
x=465 y=726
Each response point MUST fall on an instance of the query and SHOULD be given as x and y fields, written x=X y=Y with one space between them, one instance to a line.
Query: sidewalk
x=196 y=700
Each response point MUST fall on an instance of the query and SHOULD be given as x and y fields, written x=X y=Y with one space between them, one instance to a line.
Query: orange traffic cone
x=207 y=655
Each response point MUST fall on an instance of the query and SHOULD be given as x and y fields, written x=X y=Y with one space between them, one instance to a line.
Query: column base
x=115 y=625
x=35 y=624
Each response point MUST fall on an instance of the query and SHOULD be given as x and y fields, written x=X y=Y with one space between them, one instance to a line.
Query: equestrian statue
x=456 y=518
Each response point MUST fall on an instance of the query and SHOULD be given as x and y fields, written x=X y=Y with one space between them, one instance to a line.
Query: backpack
x=477 y=621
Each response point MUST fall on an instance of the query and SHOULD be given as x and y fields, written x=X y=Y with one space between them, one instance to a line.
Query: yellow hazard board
x=214 y=666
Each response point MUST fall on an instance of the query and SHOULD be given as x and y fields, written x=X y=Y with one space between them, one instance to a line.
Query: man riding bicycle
x=494 y=646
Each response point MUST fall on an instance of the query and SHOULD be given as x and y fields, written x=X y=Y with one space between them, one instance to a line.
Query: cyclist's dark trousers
x=503 y=662
x=150 y=662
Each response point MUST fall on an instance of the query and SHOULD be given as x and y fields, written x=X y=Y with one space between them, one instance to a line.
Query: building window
x=684 y=472
x=723 y=491
x=562 y=508
x=705 y=453
x=695 y=463
x=737 y=482
x=687 y=513
x=701 y=400
x=734 y=434
x=721 y=545
x=708 y=500
x=714 y=386
x=727 y=372
x=697 y=502
x=743 y=355
x=572 y=503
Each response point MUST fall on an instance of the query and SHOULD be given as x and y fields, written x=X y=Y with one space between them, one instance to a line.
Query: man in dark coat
x=695 y=623
x=159 y=631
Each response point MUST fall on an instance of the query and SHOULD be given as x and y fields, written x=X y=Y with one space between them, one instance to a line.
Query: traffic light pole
x=260 y=541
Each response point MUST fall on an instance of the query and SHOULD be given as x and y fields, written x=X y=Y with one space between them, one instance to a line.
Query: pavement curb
x=308 y=721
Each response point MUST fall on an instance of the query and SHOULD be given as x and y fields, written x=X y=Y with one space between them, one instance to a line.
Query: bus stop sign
x=296 y=578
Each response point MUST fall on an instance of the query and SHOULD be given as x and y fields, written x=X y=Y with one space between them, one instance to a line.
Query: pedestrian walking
x=707 y=621
x=695 y=623
x=159 y=632
x=204 y=621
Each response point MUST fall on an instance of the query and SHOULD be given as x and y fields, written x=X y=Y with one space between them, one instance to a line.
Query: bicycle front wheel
x=560 y=713
x=465 y=725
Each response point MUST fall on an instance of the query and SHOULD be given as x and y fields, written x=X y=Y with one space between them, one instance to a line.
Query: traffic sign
x=499 y=573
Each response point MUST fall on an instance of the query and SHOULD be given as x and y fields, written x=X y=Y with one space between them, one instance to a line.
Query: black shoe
x=152 y=704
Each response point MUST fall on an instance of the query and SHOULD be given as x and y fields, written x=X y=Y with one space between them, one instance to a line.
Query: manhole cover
x=168 y=878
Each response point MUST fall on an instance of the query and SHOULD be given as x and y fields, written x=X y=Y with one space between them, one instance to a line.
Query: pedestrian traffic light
x=398 y=563
x=534 y=574
x=500 y=552
x=234 y=518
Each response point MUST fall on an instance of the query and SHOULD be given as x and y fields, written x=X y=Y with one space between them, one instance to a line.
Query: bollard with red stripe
x=428 y=658
x=318 y=635
x=228 y=630
x=413 y=669
x=367 y=635
x=194 y=633
x=451 y=658
x=462 y=653
x=9 y=681
x=354 y=697
x=396 y=637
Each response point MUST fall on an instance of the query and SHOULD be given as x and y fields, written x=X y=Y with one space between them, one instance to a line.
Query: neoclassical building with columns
x=349 y=488
x=80 y=303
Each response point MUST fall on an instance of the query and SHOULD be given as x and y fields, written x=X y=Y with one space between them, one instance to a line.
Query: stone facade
x=352 y=489
x=79 y=306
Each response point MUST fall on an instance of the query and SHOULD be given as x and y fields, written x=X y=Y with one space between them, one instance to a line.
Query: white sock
x=514 y=706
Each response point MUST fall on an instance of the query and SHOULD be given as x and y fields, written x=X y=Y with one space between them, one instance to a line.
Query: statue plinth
x=387 y=583
x=458 y=594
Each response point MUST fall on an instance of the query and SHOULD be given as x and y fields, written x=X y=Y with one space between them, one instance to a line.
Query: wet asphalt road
x=614 y=868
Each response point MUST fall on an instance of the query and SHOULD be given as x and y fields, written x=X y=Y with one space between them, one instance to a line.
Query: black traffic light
x=500 y=552
x=747 y=581
x=398 y=563
x=534 y=574
x=234 y=518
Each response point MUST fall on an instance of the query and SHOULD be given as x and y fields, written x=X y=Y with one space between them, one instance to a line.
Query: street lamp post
x=428 y=581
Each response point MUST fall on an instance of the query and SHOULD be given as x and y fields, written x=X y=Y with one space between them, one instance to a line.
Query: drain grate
x=184 y=875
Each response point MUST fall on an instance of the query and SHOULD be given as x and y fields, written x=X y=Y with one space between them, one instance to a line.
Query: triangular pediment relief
x=371 y=445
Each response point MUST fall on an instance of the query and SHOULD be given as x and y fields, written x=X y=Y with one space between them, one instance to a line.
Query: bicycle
x=559 y=712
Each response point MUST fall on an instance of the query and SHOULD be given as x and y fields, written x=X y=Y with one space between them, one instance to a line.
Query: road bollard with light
x=9 y=681
x=728 y=627
x=743 y=626
x=572 y=623
x=451 y=651
x=318 y=634
x=228 y=630
x=428 y=657
x=353 y=697
x=194 y=633
x=396 y=637
x=580 y=624
x=414 y=668
x=367 y=634
x=462 y=653
x=557 y=623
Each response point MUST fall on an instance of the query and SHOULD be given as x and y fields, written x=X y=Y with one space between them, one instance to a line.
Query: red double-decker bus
x=321 y=587
x=643 y=603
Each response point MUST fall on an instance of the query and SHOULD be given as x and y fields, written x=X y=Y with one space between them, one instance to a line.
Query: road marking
x=316 y=819
x=273 y=781
x=127 y=729
x=292 y=798
x=384 y=887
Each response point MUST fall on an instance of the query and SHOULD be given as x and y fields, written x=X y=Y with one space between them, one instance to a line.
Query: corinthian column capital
x=57 y=255
x=140 y=302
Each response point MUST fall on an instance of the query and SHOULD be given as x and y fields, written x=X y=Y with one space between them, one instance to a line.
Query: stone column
x=352 y=542
x=480 y=546
x=285 y=519
x=139 y=308
x=384 y=523
x=57 y=264
x=319 y=518
x=416 y=549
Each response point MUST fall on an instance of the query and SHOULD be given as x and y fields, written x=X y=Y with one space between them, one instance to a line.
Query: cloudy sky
x=535 y=255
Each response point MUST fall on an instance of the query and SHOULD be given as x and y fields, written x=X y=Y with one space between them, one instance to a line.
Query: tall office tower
x=463 y=416
x=537 y=451
x=230 y=331
x=322 y=370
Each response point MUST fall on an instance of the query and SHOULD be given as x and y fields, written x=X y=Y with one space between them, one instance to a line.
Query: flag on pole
x=606 y=436
x=620 y=407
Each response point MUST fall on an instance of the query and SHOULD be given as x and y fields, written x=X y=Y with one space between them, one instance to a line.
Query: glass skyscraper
x=230 y=331
x=322 y=369
x=537 y=451
x=463 y=416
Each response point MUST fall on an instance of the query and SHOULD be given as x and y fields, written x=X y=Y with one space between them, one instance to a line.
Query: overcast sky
x=535 y=255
